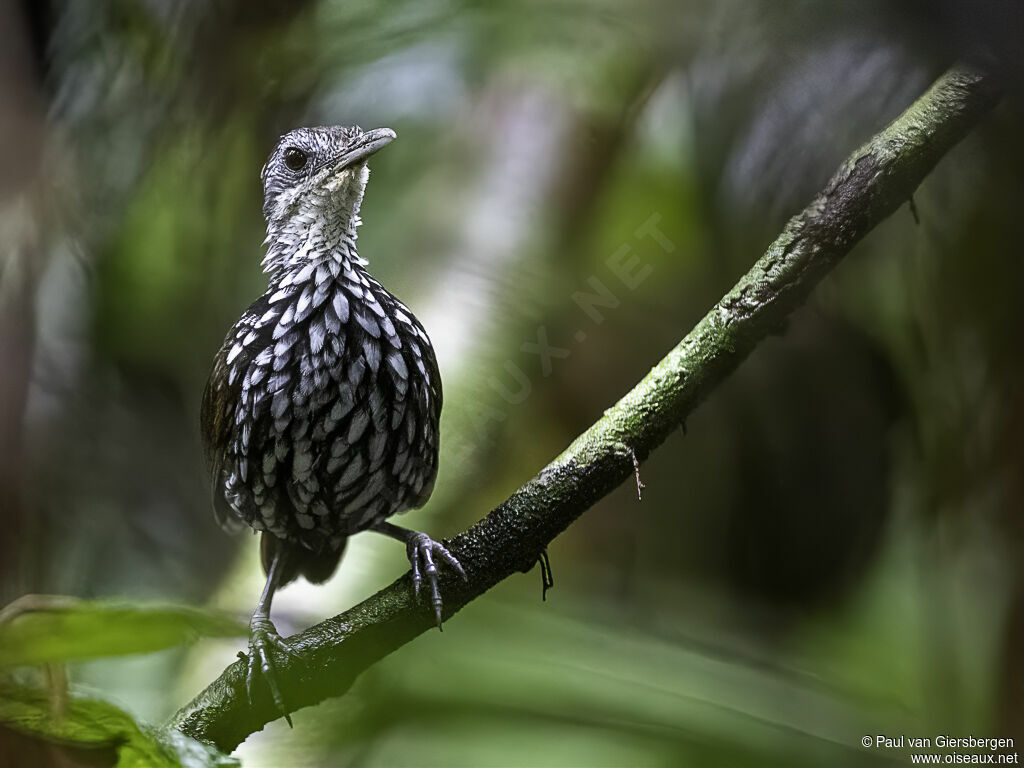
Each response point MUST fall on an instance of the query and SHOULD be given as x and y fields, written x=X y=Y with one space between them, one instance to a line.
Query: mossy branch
x=875 y=181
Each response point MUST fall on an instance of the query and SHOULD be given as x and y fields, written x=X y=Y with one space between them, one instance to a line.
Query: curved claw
x=263 y=636
x=421 y=550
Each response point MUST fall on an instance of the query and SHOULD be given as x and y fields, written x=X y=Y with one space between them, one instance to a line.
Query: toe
x=417 y=575
x=429 y=569
x=269 y=673
x=250 y=675
x=261 y=664
x=422 y=551
x=435 y=591
x=449 y=558
x=285 y=648
x=436 y=600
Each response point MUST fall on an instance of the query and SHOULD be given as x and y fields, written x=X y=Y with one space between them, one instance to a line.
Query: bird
x=320 y=417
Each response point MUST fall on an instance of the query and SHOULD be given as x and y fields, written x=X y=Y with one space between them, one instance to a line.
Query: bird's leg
x=421 y=550
x=263 y=635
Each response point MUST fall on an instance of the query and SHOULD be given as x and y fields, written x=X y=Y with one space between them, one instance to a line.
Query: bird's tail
x=316 y=567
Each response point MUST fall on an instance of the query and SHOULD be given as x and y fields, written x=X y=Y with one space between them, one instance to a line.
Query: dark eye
x=295 y=158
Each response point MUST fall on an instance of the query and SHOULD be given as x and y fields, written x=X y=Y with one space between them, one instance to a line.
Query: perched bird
x=320 y=418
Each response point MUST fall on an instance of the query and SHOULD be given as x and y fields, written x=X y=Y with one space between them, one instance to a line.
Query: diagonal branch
x=874 y=182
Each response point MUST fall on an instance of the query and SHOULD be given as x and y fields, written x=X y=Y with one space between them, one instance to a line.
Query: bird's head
x=315 y=178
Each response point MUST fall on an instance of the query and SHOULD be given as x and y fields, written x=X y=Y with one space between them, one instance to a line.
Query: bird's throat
x=321 y=242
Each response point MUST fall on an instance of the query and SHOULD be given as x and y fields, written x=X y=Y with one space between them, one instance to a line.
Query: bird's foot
x=262 y=638
x=422 y=550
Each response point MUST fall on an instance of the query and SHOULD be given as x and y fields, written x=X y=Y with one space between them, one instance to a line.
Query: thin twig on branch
x=877 y=179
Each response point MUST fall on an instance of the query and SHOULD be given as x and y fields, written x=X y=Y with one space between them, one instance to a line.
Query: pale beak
x=366 y=145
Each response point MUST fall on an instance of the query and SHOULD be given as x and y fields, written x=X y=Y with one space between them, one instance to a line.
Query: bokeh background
x=832 y=549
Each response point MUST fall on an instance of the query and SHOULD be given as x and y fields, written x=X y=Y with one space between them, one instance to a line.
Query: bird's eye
x=295 y=159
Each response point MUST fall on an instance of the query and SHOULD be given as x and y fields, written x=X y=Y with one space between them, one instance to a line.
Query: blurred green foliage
x=831 y=550
x=95 y=629
x=92 y=732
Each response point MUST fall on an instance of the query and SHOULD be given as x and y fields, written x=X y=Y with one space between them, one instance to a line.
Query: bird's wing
x=217 y=414
x=216 y=417
x=434 y=415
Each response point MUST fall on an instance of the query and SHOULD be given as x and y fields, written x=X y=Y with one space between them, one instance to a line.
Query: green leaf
x=44 y=630
x=96 y=726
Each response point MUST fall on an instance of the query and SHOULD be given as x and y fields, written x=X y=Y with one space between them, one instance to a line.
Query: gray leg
x=421 y=550
x=263 y=635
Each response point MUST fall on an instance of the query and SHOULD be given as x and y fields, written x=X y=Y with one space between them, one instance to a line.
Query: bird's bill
x=366 y=145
